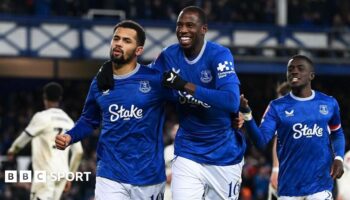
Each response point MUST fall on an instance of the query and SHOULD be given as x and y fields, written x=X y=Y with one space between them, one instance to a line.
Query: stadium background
x=67 y=41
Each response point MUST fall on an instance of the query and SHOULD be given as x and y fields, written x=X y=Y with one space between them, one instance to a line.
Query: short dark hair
x=307 y=59
x=141 y=35
x=53 y=91
x=201 y=14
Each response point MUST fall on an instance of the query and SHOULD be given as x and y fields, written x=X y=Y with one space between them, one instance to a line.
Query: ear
x=139 y=50
x=204 y=29
x=312 y=76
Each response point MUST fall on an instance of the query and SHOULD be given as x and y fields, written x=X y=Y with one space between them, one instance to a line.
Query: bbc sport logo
x=26 y=176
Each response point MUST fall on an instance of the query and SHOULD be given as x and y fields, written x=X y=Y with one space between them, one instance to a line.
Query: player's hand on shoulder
x=173 y=80
x=104 y=77
x=62 y=141
x=337 y=169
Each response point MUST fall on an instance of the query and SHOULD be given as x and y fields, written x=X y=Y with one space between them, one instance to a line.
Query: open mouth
x=184 y=40
x=117 y=52
x=294 y=80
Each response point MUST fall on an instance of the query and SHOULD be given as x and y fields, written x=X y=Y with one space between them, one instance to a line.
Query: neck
x=52 y=104
x=302 y=92
x=194 y=52
x=124 y=68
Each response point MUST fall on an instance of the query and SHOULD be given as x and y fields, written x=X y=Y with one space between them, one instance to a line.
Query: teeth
x=294 y=79
x=184 y=39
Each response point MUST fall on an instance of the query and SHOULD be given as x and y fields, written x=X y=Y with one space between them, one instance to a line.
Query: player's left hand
x=173 y=81
x=337 y=169
x=67 y=186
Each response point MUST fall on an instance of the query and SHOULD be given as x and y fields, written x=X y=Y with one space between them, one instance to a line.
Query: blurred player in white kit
x=344 y=181
x=42 y=130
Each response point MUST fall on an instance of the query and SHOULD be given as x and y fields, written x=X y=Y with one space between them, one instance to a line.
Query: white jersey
x=344 y=181
x=43 y=127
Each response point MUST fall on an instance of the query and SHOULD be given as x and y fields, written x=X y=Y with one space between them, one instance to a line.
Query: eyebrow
x=114 y=36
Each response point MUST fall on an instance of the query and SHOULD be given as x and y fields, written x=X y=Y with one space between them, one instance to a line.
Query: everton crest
x=323 y=109
x=206 y=76
x=145 y=86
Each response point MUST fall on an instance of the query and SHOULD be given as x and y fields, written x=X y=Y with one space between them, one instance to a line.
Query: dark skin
x=190 y=32
x=299 y=76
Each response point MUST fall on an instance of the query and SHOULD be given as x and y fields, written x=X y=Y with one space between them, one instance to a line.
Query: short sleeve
x=38 y=123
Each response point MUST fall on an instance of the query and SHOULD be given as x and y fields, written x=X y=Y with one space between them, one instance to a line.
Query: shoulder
x=94 y=86
x=41 y=116
x=147 y=73
x=171 y=48
x=322 y=96
x=216 y=48
x=281 y=100
x=64 y=114
x=147 y=70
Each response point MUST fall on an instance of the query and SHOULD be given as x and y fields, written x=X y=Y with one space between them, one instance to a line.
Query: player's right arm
x=21 y=141
x=35 y=126
x=261 y=135
x=87 y=123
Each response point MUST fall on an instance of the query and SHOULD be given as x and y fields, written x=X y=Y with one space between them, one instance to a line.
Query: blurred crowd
x=20 y=101
x=300 y=12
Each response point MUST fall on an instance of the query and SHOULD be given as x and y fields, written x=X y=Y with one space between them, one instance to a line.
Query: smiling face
x=300 y=73
x=124 y=47
x=190 y=32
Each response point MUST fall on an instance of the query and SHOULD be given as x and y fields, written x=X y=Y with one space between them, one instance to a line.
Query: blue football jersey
x=130 y=148
x=205 y=134
x=302 y=126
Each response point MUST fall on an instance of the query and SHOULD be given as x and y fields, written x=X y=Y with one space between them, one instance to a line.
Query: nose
x=182 y=29
x=293 y=70
x=117 y=43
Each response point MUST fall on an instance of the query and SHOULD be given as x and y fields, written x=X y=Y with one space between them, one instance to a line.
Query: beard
x=121 y=59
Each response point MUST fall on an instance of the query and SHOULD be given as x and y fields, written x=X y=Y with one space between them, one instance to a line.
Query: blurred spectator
x=300 y=12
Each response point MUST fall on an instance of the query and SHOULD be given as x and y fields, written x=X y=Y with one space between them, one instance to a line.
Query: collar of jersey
x=199 y=55
x=303 y=99
x=124 y=76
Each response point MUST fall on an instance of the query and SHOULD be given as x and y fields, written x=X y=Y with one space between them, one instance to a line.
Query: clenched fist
x=62 y=141
x=173 y=81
